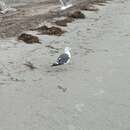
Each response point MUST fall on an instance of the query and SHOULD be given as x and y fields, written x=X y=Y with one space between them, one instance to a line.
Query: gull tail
x=54 y=64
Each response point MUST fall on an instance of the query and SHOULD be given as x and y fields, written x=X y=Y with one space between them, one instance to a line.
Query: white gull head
x=67 y=51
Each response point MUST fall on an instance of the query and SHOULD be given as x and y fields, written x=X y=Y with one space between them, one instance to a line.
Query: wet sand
x=90 y=93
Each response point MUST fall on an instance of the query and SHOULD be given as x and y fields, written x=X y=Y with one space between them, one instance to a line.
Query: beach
x=92 y=92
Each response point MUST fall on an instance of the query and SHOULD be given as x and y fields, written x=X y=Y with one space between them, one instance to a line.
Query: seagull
x=63 y=58
x=4 y=9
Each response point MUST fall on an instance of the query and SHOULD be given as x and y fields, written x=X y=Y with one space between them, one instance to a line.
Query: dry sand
x=90 y=93
x=26 y=17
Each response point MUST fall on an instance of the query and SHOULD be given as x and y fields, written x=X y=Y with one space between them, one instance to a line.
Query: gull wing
x=62 y=59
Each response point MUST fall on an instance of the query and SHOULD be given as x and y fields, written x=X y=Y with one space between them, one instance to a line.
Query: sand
x=32 y=15
x=90 y=93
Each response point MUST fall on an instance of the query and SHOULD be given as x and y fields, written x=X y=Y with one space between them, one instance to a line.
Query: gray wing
x=62 y=59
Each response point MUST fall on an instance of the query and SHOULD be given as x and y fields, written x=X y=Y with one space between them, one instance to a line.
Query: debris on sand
x=44 y=30
x=64 y=22
x=89 y=7
x=76 y=15
x=28 y=38
x=62 y=88
x=30 y=65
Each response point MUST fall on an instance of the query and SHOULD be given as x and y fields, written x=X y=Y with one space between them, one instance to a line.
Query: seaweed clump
x=28 y=38
x=64 y=22
x=44 y=30
x=76 y=15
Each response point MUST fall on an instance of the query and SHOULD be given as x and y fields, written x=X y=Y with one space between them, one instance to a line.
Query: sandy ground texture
x=90 y=93
x=32 y=14
x=25 y=17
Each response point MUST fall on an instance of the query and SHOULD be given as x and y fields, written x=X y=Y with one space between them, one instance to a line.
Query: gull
x=64 y=5
x=4 y=9
x=63 y=58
